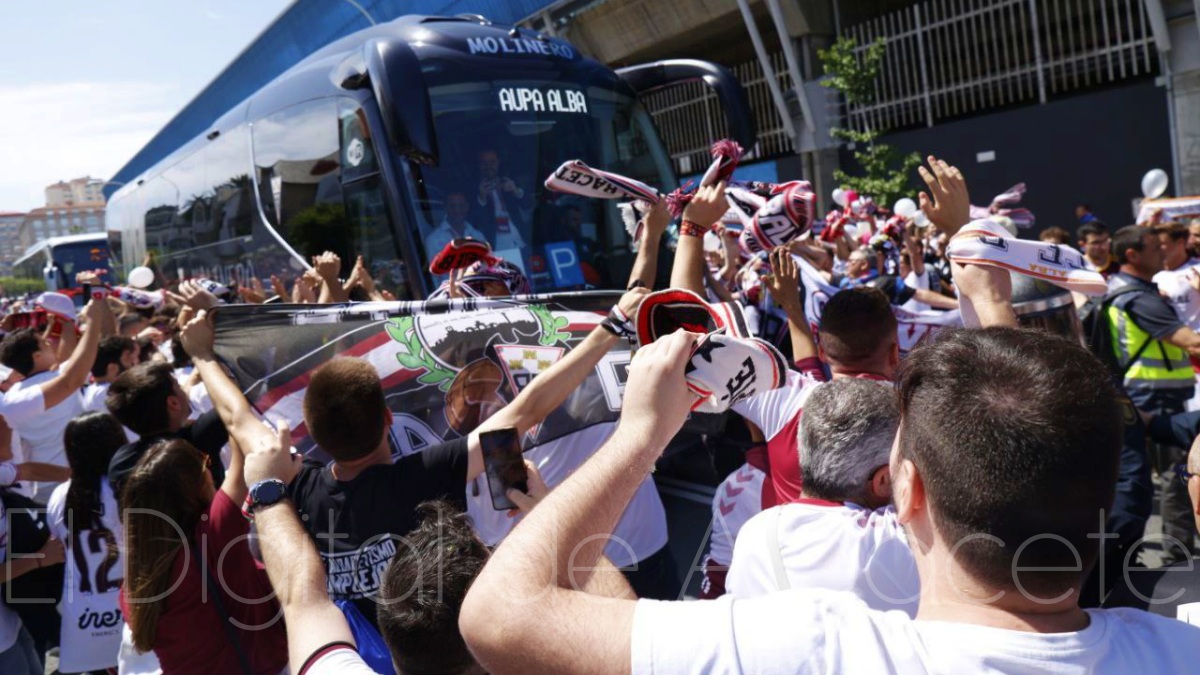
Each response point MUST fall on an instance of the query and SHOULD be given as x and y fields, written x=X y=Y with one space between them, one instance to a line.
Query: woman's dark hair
x=90 y=440
x=167 y=496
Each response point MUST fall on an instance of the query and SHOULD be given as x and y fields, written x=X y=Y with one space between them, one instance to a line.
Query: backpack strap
x=1102 y=324
x=234 y=641
x=775 y=554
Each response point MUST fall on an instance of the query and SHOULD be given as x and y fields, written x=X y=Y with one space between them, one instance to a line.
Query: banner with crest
x=445 y=365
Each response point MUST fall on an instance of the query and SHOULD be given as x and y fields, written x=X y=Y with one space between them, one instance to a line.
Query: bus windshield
x=82 y=256
x=499 y=140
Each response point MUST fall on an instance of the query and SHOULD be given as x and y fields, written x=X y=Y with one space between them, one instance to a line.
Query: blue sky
x=84 y=84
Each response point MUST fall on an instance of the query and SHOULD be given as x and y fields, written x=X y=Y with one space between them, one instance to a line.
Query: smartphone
x=504 y=466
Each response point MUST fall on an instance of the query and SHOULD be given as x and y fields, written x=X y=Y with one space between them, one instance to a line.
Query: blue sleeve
x=1153 y=314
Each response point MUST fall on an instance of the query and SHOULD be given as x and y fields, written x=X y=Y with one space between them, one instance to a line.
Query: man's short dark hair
x=109 y=352
x=1091 y=229
x=423 y=590
x=344 y=408
x=1128 y=238
x=138 y=398
x=18 y=348
x=1175 y=230
x=1016 y=435
x=127 y=321
x=856 y=325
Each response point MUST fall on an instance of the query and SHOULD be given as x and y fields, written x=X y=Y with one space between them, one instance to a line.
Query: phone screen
x=504 y=466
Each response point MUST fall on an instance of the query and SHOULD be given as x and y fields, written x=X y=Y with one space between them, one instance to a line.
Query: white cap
x=57 y=303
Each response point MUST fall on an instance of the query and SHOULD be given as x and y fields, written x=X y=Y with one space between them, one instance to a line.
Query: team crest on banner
x=522 y=363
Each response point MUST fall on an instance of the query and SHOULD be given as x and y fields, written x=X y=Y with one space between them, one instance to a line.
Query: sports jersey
x=777 y=413
x=90 y=636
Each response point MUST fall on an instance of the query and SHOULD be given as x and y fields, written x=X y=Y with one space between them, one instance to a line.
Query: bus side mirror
x=739 y=118
x=393 y=72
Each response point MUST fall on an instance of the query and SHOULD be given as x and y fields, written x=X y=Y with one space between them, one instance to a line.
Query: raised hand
x=269 y=455
x=947 y=204
x=784 y=279
x=657 y=399
x=707 y=206
x=656 y=220
x=197 y=336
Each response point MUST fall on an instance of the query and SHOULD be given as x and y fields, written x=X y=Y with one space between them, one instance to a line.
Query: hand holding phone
x=504 y=466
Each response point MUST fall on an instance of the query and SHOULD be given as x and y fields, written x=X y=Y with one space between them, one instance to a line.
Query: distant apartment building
x=72 y=207
x=86 y=191
x=10 y=242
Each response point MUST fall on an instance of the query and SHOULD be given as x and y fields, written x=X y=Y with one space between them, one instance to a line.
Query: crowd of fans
x=976 y=505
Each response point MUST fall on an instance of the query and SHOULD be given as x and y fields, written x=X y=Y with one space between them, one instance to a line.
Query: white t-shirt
x=809 y=631
x=94 y=395
x=642 y=529
x=920 y=282
x=90 y=636
x=838 y=547
x=10 y=622
x=41 y=430
x=1185 y=299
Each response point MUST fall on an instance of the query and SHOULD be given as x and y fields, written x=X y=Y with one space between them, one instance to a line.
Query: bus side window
x=366 y=204
x=229 y=186
x=296 y=155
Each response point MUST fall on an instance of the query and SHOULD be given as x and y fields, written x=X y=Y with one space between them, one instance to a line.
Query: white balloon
x=839 y=197
x=141 y=277
x=1154 y=183
x=921 y=219
x=905 y=208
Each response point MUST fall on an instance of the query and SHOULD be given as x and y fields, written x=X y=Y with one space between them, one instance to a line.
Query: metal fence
x=946 y=58
x=689 y=117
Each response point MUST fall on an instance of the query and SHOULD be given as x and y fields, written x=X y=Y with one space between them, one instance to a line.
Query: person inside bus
x=498 y=203
x=454 y=224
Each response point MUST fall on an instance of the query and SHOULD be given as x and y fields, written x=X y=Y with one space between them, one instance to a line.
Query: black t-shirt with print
x=357 y=524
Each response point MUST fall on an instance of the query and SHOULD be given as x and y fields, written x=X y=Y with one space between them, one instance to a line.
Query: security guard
x=1151 y=340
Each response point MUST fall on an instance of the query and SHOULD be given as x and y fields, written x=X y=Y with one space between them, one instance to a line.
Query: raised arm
x=233 y=408
x=291 y=559
x=985 y=292
x=645 y=266
x=784 y=284
x=73 y=374
x=705 y=209
x=569 y=630
x=551 y=388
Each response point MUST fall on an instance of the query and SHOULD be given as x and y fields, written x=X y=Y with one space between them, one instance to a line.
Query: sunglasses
x=1184 y=474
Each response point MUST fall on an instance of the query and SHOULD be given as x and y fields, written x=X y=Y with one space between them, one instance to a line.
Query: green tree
x=886 y=171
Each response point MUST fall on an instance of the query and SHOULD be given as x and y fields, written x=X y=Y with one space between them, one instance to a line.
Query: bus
x=378 y=143
x=55 y=261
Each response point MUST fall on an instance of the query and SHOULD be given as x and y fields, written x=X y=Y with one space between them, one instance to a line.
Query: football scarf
x=983 y=242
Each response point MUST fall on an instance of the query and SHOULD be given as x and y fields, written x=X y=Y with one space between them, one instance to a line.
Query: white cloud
x=59 y=131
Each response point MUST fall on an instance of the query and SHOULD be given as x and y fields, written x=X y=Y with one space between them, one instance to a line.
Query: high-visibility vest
x=1160 y=365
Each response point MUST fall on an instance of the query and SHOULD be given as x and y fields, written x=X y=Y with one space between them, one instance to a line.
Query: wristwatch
x=263 y=493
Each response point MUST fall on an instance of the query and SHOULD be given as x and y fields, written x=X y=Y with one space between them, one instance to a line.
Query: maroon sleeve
x=225 y=520
x=812 y=367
